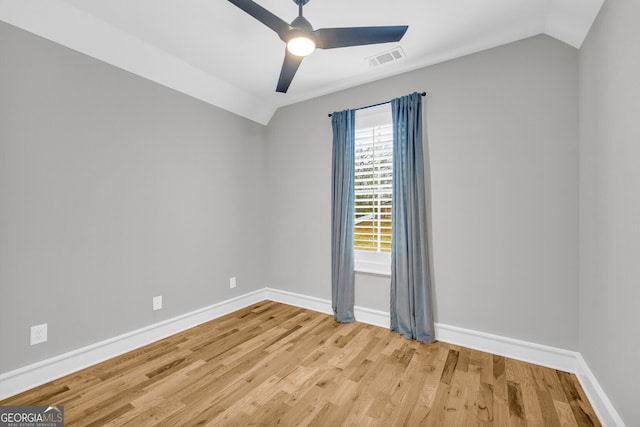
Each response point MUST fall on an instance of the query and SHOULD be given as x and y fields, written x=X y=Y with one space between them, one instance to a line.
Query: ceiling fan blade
x=330 y=38
x=289 y=68
x=264 y=16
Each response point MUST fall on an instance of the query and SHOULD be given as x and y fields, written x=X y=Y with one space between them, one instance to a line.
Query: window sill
x=378 y=264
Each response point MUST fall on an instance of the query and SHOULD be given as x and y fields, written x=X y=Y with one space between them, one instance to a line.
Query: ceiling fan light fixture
x=301 y=45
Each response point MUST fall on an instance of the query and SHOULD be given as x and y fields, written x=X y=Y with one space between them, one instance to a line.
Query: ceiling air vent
x=386 y=57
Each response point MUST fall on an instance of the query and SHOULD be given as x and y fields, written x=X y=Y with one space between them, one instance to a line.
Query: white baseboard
x=303 y=301
x=362 y=314
x=522 y=350
x=539 y=354
x=607 y=414
x=27 y=377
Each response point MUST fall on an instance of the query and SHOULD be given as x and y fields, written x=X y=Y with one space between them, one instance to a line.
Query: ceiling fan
x=302 y=39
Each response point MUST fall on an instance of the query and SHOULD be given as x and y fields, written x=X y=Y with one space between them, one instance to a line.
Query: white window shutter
x=373 y=181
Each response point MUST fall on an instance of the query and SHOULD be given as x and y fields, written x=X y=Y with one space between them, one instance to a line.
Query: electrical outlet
x=232 y=282
x=157 y=303
x=38 y=334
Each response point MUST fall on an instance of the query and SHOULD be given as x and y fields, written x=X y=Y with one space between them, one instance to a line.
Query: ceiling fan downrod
x=300 y=3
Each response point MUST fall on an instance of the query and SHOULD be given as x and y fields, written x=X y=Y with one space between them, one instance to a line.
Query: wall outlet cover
x=157 y=303
x=38 y=334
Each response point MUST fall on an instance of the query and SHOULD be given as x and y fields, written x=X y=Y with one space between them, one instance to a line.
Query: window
x=373 y=189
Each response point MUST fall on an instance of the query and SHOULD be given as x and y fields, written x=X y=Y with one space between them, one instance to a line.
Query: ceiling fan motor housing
x=300 y=27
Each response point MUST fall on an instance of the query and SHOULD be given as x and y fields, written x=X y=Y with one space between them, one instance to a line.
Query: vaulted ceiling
x=213 y=51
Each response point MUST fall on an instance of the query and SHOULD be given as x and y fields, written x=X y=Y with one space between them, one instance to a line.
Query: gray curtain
x=342 y=208
x=411 y=314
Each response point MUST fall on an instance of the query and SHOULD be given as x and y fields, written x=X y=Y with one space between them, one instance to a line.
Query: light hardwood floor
x=276 y=365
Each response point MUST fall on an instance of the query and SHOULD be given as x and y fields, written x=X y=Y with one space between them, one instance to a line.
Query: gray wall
x=502 y=131
x=610 y=204
x=114 y=189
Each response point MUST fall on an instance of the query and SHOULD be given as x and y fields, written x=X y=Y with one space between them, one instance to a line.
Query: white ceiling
x=215 y=52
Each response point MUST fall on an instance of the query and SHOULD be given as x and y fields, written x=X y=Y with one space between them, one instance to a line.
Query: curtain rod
x=377 y=105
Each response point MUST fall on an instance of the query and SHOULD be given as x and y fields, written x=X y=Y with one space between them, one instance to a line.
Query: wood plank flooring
x=276 y=365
